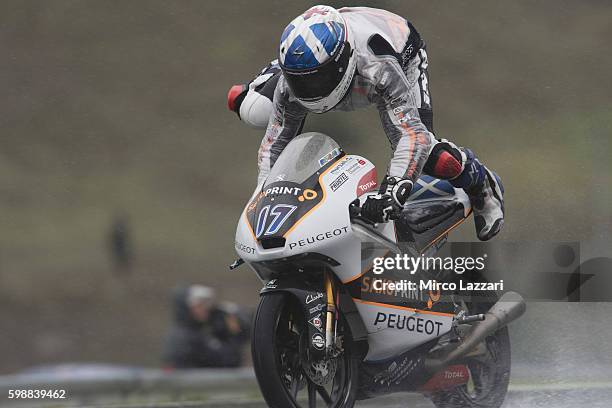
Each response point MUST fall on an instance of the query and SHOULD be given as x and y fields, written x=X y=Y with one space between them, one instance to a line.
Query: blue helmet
x=317 y=58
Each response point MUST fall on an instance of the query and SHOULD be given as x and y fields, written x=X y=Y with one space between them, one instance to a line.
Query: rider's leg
x=463 y=169
x=460 y=166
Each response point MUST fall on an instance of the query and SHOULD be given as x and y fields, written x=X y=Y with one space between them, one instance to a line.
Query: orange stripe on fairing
x=363 y=272
x=303 y=216
x=409 y=309
x=446 y=232
x=246 y=219
x=317 y=205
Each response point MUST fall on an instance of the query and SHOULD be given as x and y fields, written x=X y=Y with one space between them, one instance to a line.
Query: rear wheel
x=286 y=377
x=489 y=370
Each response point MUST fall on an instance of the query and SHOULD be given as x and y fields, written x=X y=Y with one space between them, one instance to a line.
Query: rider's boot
x=486 y=194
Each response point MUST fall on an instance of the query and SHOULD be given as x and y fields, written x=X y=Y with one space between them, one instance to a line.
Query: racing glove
x=393 y=193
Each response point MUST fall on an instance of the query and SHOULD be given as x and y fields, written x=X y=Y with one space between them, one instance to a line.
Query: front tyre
x=286 y=377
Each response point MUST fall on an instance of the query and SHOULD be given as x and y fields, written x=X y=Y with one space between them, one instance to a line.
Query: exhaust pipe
x=510 y=307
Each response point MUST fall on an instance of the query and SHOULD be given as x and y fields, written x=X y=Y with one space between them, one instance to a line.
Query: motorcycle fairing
x=280 y=205
x=322 y=229
x=407 y=373
x=423 y=223
x=434 y=207
x=404 y=372
x=367 y=288
x=310 y=295
x=394 y=329
x=448 y=378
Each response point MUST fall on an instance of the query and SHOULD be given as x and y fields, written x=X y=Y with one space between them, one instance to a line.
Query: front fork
x=330 y=340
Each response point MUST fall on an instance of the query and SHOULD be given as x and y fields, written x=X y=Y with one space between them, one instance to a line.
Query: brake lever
x=355 y=214
x=354 y=209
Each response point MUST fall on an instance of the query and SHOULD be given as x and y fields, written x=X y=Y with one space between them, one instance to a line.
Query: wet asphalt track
x=593 y=398
x=531 y=386
x=552 y=396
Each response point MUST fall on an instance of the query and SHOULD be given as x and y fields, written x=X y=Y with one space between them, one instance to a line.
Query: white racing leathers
x=391 y=74
x=256 y=106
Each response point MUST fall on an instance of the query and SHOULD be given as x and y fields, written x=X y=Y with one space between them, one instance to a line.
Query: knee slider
x=446 y=161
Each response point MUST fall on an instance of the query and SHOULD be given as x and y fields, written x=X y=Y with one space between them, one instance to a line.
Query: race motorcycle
x=321 y=335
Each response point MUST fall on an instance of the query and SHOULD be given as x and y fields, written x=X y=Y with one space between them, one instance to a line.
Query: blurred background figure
x=120 y=244
x=204 y=333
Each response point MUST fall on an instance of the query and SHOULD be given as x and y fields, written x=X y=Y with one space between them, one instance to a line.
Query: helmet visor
x=317 y=83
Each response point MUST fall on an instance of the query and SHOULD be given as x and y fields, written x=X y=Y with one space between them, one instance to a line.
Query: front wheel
x=286 y=377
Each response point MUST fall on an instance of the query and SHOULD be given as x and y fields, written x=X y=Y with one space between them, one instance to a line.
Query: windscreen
x=302 y=157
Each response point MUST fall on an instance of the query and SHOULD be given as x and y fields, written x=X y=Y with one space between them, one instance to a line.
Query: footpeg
x=469 y=319
x=236 y=264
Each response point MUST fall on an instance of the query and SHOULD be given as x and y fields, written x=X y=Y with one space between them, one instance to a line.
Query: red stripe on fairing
x=448 y=378
x=368 y=182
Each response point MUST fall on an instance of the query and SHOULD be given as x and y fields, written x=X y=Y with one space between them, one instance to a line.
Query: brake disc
x=321 y=372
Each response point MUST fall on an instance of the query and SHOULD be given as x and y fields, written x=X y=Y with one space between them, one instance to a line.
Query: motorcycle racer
x=355 y=57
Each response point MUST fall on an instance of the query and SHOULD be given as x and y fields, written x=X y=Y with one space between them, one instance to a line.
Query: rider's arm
x=285 y=123
x=410 y=139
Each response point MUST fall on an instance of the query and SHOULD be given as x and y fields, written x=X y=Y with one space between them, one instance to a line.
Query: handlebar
x=355 y=213
x=355 y=209
x=370 y=234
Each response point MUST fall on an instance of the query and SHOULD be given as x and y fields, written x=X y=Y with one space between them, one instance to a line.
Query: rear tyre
x=285 y=376
x=489 y=372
